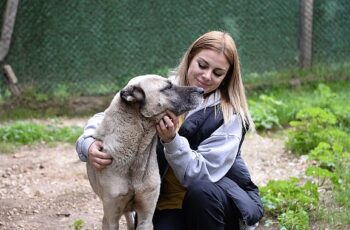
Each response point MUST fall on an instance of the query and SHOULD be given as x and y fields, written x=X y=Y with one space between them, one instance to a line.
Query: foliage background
x=93 y=47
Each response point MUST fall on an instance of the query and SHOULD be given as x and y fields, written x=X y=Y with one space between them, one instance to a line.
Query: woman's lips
x=201 y=84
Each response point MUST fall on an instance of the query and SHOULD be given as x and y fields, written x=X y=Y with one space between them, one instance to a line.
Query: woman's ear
x=132 y=94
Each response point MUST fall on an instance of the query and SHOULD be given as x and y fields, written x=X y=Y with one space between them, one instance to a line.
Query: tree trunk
x=7 y=27
x=305 y=42
x=11 y=80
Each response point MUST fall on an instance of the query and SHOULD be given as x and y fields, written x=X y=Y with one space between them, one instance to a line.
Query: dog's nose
x=200 y=90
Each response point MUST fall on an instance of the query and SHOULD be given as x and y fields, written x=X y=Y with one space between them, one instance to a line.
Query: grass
x=21 y=133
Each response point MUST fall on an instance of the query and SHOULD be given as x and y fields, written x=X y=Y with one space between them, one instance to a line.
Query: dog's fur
x=132 y=181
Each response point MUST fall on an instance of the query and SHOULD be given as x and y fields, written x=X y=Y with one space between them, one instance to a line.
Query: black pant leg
x=207 y=207
x=169 y=219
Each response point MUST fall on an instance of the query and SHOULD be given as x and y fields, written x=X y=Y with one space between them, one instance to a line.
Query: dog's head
x=155 y=94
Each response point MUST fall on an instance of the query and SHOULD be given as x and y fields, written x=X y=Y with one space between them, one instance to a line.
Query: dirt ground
x=46 y=187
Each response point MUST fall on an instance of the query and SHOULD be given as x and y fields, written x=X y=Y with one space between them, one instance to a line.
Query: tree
x=5 y=42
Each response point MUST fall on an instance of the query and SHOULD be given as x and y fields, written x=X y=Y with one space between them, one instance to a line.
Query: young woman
x=205 y=182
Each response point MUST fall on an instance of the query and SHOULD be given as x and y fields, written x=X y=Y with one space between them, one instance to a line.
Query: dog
x=131 y=183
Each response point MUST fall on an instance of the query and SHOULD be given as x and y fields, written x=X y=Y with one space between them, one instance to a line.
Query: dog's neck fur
x=119 y=127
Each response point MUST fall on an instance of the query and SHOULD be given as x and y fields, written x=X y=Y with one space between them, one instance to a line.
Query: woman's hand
x=97 y=158
x=167 y=127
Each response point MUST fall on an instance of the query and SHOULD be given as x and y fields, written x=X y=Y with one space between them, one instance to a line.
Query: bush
x=313 y=125
x=337 y=104
x=264 y=112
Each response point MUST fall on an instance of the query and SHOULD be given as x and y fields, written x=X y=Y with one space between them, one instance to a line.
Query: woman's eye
x=218 y=74
x=202 y=65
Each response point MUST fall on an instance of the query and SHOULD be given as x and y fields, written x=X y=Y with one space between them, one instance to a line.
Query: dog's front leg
x=144 y=220
x=111 y=214
x=145 y=204
x=115 y=195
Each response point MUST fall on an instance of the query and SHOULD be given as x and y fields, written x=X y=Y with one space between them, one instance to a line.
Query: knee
x=200 y=194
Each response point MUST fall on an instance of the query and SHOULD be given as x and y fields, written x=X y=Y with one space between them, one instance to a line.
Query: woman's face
x=207 y=70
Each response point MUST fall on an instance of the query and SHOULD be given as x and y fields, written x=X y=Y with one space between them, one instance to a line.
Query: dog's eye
x=169 y=86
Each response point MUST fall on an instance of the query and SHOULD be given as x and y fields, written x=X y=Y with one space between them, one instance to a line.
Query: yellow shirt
x=173 y=192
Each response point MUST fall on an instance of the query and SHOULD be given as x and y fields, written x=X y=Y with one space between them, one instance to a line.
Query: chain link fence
x=93 y=47
x=331 y=34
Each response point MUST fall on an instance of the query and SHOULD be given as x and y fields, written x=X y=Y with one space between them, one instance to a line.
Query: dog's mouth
x=179 y=100
x=158 y=117
x=188 y=104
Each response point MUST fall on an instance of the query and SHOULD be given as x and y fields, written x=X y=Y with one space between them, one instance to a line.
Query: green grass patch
x=298 y=77
x=26 y=133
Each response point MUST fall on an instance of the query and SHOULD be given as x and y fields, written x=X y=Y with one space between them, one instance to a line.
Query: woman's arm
x=90 y=149
x=213 y=158
x=86 y=139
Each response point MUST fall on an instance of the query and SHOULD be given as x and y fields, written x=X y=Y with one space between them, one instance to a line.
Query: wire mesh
x=93 y=47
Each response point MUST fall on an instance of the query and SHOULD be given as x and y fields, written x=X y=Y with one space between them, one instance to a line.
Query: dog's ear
x=132 y=94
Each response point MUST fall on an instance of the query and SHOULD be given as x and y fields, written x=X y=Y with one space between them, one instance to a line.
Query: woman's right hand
x=97 y=158
x=167 y=127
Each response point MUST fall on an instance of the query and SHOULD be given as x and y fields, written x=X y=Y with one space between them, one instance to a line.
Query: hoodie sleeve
x=213 y=158
x=83 y=143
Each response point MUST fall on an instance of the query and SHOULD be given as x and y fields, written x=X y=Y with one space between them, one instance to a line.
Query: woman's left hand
x=167 y=127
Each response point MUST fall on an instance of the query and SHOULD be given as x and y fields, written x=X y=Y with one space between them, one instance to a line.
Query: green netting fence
x=91 y=47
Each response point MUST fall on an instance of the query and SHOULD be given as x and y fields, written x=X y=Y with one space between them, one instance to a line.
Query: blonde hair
x=233 y=99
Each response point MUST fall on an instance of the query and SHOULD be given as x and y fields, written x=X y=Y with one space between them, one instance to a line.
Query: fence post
x=305 y=33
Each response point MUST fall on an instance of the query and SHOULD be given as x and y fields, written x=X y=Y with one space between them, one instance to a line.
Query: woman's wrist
x=173 y=145
x=168 y=140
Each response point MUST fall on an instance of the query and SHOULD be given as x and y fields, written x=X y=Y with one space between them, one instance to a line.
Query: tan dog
x=132 y=181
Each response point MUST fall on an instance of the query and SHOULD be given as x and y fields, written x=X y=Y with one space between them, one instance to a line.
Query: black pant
x=205 y=206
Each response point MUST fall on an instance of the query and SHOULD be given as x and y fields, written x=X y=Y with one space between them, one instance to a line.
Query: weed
x=78 y=224
x=284 y=198
x=294 y=220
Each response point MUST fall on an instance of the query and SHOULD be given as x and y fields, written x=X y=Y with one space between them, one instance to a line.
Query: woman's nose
x=206 y=75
